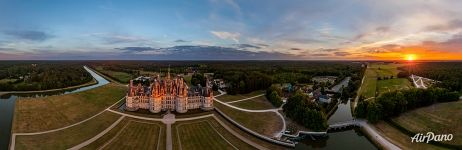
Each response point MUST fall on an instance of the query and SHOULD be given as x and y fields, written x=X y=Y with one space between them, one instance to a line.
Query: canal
x=7 y=103
x=349 y=139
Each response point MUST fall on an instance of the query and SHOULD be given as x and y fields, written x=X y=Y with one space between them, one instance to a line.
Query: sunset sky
x=231 y=29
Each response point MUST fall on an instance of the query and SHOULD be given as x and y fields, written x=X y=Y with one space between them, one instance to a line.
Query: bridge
x=335 y=126
x=343 y=125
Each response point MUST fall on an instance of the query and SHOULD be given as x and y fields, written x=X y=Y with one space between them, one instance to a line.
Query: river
x=7 y=103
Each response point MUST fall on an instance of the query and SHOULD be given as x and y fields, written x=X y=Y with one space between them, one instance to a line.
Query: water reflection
x=351 y=139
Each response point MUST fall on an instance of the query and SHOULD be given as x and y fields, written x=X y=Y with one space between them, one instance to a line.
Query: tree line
x=43 y=76
x=391 y=104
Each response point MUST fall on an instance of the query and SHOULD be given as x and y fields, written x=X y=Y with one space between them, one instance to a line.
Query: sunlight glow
x=410 y=57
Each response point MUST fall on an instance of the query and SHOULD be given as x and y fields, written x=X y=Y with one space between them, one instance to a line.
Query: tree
x=215 y=87
x=361 y=109
x=305 y=112
x=198 y=79
x=374 y=112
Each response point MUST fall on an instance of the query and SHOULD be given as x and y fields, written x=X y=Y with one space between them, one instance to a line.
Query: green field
x=369 y=86
x=52 y=112
x=400 y=139
x=119 y=76
x=265 y=123
x=257 y=103
x=393 y=84
x=69 y=137
x=138 y=135
x=229 y=98
x=248 y=136
x=442 y=118
x=187 y=79
x=372 y=86
x=129 y=127
x=199 y=134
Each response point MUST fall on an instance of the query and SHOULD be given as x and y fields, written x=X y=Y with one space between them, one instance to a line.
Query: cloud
x=329 y=50
x=227 y=35
x=7 y=50
x=453 y=44
x=245 y=46
x=137 y=49
x=143 y=50
x=320 y=55
x=109 y=38
x=342 y=53
x=295 y=49
x=377 y=31
x=263 y=45
x=451 y=25
x=302 y=40
x=29 y=35
x=181 y=41
x=188 y=52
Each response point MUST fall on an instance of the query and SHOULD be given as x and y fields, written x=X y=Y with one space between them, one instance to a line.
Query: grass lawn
x=385 y=70
x=400 y=139
x=443 y=118
x=370 y=83
x=136 y=135
x=265 y=123
x=249 y=136
x=257 y=103
x=68 y=137
x=393 y=84
x=229 y=98
x=119 y=76
x=199 y=134
x=187 y=79
x=52 y=112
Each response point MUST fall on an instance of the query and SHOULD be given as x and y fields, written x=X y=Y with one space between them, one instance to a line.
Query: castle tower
x=208 y=97
x=156 y=100
x=132 y=98
x=182 y=98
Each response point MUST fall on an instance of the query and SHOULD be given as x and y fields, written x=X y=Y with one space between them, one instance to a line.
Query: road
x=377 y=137
x=276 y=110
x=245 y=99
x=89 y=141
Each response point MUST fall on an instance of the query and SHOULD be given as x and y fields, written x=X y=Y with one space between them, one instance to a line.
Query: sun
x=410 y=57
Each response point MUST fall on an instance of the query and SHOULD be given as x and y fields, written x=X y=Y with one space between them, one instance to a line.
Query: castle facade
x=156 y=94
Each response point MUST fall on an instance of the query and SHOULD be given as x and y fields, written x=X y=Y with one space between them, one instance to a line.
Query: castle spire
x=168 y=74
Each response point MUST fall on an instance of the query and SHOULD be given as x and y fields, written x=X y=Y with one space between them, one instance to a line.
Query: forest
x=243 y=76
x=41 y=75
x=449 y=73
x=391 y=104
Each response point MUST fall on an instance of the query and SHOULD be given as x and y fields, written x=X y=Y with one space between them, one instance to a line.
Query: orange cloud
x=428 y=50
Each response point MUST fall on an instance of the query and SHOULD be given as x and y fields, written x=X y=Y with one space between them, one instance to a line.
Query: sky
x=231 y=29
